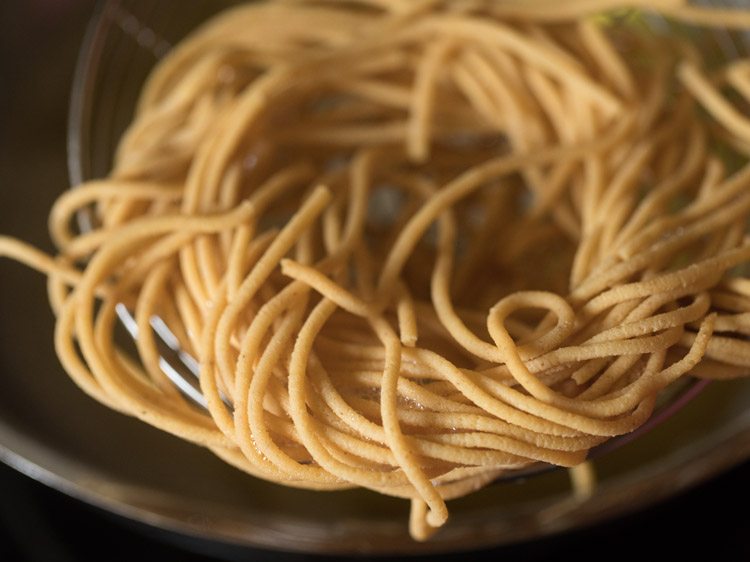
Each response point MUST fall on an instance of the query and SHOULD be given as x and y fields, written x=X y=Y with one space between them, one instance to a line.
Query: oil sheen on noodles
x=414 y=244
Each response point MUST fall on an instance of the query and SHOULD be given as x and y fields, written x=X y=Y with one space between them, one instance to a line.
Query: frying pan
x=55 y=434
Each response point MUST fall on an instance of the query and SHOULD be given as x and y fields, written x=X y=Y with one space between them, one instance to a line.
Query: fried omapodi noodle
x=414 y=244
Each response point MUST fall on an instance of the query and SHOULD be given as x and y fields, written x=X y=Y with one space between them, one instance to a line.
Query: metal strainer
x=125 y=40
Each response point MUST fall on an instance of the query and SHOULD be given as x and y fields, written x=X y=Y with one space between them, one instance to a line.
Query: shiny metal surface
x=51 y=431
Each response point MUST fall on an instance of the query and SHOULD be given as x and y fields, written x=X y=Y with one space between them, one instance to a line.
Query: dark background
x=39 y=40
